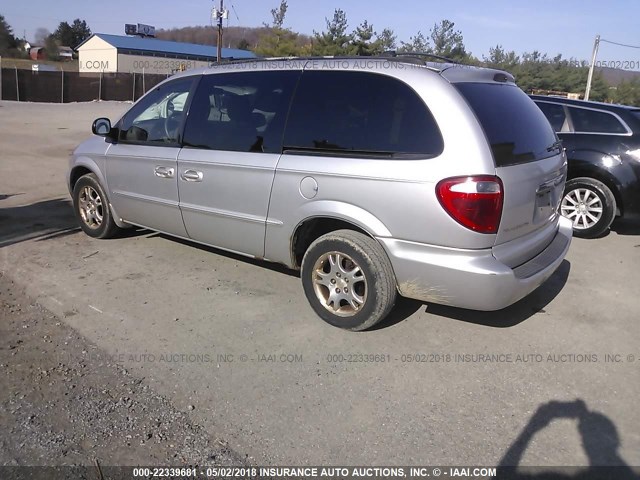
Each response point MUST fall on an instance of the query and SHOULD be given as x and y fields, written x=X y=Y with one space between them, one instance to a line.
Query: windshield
x=515 y=127
x=164 y=107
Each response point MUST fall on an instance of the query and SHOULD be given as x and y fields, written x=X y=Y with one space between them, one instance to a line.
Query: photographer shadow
x=600 y=441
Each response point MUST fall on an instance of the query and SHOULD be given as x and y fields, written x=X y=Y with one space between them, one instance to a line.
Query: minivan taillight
x=474 y=201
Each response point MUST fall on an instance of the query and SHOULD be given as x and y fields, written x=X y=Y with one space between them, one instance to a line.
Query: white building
x=65 y=53
x=116 y=53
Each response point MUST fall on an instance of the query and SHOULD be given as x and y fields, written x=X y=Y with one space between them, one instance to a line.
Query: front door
x=142 y=166
x=232 y=143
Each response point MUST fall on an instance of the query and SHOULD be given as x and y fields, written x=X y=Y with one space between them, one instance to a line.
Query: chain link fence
x=65 y=87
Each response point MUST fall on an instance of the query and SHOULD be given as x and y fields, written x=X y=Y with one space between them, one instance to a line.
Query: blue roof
x=164 y=46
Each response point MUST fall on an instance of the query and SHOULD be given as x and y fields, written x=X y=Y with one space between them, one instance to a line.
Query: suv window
x=556 y=115
x=360 y=112
x=515 y=127
x=157 y=118
x=242 y=111
x=592 y=121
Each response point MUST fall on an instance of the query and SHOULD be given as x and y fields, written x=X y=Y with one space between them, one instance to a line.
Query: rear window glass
x=359 y=112
x=592 y=121
x=516 y=128
x=556 y=116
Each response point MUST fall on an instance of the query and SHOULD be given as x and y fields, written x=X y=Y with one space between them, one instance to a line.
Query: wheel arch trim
x=345 y=212
x=90 y=166
x=598 y=171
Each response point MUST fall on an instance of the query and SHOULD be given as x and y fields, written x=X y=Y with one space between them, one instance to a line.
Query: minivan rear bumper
x=472 y=279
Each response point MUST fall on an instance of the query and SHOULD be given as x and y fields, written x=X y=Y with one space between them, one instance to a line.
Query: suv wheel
x=348 y=280
x=91 y=207
x=590 y=205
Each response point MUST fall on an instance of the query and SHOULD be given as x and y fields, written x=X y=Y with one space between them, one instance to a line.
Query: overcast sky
x=550 y=26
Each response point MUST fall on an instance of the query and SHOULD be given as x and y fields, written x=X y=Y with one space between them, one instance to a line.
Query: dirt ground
x=146 y=349
x=64 y=401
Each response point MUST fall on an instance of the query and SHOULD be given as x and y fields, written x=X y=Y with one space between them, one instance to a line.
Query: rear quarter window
x=515 y=127
x=593 y=121
x=556 y=115
x=360 y=112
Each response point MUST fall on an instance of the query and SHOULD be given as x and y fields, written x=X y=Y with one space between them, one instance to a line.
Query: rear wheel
x=348 y=280
x=590 y=205
x=91 y=207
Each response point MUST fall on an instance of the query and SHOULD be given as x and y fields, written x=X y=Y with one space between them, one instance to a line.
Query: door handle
x=191 y=176
x=164 y=172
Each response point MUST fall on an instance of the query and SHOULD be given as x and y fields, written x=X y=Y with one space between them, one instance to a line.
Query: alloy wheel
x=91 y=207
x=339 y=284
x=583 y=207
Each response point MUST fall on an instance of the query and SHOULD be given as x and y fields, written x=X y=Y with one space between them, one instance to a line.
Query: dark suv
x=602 y=142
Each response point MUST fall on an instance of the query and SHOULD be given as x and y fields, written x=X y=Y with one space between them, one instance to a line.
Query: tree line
x=534 y=71
x=66 y=35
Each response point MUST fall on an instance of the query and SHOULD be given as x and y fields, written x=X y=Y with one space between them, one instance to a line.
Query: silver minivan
x=372 y=176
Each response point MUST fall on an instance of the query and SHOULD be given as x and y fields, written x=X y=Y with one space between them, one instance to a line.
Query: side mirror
x=101 y=126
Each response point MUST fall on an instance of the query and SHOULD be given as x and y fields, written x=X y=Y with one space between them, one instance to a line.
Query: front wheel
x=348 y=280
x=91 y=207
x=590 y=205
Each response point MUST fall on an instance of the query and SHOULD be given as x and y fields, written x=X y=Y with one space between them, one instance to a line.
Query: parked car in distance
x=373 y=177
x=602 y=142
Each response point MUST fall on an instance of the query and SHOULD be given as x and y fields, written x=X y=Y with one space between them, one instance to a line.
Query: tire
x=374 y=294
x=91 y=207
x=590 y=205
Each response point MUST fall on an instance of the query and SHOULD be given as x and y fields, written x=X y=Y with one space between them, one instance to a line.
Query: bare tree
x=279 y=13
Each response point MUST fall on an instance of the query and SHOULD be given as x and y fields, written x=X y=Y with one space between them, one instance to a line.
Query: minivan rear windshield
x=516 y=128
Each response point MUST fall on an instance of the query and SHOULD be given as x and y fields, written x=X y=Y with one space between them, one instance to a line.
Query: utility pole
x=219 y=15
x=220 y=30
x=596 y=46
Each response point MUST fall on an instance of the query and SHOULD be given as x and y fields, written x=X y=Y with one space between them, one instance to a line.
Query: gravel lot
x=66 y=401
x=220 y=359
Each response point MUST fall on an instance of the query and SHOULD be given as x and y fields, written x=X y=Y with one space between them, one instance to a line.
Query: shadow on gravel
x=405 y=307
x=276 y=267
x=36 y=221
x=5 y=196
x=42 y=221
x=600 y=441
x=516 y=313
x=626 y=226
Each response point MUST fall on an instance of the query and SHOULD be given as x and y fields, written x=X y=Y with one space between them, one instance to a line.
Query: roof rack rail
x=394 y=53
